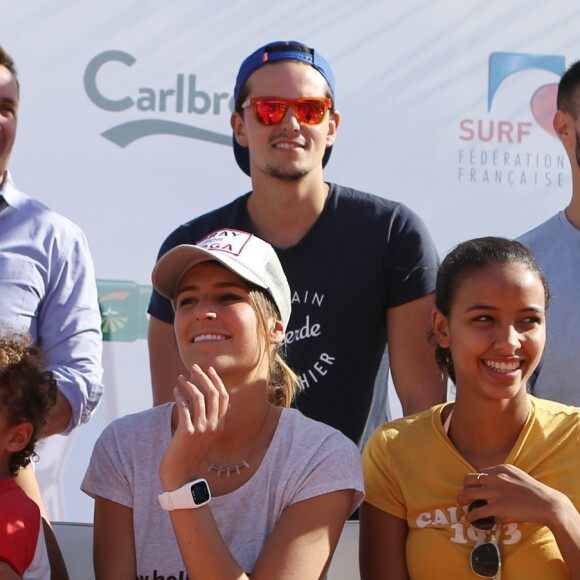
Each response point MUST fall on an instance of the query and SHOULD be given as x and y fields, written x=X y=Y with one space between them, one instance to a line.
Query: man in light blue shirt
x=47 y=283
x=47 y=289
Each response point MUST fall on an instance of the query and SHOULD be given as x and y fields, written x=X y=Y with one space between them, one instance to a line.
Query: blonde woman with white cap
x=228 y=481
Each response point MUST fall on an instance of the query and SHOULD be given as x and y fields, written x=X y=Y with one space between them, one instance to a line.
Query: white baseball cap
x=246 y=255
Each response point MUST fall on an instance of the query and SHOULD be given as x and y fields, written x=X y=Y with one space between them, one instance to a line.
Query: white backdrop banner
x=124 y=128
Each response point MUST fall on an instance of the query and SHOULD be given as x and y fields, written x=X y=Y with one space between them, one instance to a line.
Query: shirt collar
x=8 y=193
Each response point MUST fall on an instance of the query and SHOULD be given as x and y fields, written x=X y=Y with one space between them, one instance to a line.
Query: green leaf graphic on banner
x=123 y=307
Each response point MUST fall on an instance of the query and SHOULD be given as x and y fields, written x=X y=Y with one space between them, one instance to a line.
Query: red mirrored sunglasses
x=271 y=110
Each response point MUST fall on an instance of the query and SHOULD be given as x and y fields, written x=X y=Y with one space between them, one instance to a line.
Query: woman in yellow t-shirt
x=489 y=483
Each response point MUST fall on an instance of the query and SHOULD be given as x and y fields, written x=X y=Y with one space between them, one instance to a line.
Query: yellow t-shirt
x=413 y=471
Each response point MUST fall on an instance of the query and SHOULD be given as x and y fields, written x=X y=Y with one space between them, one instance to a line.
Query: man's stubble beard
x=285 y=176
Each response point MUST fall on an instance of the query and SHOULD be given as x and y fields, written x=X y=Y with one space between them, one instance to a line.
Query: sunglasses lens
x=485 y=560
x=311 y=111
x=308 y=111
x=485 y=524
x=270 y=112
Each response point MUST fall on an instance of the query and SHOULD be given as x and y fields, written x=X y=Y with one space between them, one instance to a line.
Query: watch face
x=200 y=492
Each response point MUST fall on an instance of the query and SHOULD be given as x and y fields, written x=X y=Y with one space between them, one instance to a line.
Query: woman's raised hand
x=202 y=403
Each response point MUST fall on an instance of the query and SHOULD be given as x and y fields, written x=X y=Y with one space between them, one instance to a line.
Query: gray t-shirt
x=556 y=245
x=305 y=459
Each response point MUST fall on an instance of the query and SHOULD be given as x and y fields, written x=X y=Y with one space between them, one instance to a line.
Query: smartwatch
x=191 y=495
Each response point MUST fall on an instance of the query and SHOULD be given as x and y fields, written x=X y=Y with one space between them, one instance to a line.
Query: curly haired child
x=27 y=394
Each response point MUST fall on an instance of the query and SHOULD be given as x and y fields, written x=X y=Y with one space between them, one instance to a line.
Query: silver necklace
x=237 y=469
x=227 y=469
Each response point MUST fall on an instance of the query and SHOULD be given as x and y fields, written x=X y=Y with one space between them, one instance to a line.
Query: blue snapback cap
x=279 y=50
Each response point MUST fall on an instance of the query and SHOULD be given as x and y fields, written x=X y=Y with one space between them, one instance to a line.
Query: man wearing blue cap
x=361 y=268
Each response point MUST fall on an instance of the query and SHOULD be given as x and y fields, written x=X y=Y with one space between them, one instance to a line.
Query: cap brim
x=173 y=265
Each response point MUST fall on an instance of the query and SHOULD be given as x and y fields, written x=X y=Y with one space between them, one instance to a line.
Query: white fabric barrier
x=344 y=564
x=76 y=543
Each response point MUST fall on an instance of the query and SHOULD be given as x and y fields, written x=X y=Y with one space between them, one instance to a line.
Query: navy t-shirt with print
x=364 y=255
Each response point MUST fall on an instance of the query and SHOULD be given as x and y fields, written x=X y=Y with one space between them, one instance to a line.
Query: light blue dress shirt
x=48 y=289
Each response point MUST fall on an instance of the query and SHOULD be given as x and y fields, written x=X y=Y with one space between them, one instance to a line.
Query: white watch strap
x=183 y=498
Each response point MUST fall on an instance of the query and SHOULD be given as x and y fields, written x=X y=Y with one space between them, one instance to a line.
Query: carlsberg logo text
x=183 y=97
